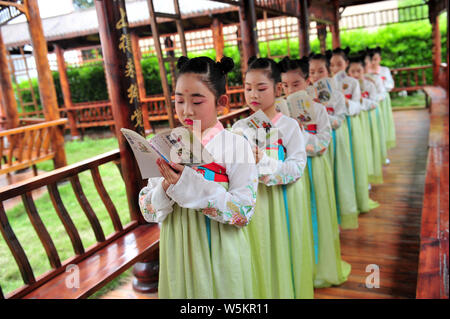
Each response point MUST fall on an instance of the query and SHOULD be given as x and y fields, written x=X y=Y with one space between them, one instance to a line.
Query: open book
x=282 y=106
x=344 y=82
x=177 y=145
x=300 y=105
x=323 y=90
x=258 y=130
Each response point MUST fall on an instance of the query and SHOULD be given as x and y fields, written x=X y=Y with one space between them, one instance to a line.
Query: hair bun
x=347 y=50
x=283 y=65
x=226 y=64
x=182 y=60
x=328 y=54
x=251 y=59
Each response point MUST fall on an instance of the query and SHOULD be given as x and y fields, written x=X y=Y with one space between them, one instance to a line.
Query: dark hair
x=213 y=73
x=270 y=66
x=374 y=51
x=342 y=52
x=356 y=59
x=321 y=57
x=302 y=65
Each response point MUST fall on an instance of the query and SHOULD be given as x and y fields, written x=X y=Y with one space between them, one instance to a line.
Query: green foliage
x=404 y=45
x=83 y=4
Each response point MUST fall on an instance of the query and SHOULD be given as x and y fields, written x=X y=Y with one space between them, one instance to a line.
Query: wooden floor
x=387 y=236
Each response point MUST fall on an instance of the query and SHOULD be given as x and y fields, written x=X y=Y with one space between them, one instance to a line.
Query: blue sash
x=212 y=172
x=313 y=212
x=282 y=157
x=338 y=208
x=351 y=147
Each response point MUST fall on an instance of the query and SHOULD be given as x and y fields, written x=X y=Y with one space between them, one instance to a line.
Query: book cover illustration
x=258 y=130
x=324 y=90
x=300 y=106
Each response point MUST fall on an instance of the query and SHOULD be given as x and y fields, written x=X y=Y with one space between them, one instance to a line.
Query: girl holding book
x=379 y=98
x=339 y=152
x=275 y=233
x=315 y=124
x=203 y=211
x=368 y=97
x=388 y=85
x=352 y=92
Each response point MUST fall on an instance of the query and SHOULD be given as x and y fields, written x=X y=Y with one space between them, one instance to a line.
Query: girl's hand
x=335 y=124
x=309 y=148
x=171 y=173
x=258 y=154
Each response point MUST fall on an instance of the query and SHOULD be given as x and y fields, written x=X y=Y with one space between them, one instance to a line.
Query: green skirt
x=377 y=153
x=189 y=267
x=368 y=146
x=301 y=233
x=270 y=245
x=330 y=268
x=389 y=121
x=365 y=204
x=382 y=110
x=341 y=163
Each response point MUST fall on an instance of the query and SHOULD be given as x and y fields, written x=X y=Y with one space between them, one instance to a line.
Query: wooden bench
x=432 y=281
x=26 y=146
x=98 y=264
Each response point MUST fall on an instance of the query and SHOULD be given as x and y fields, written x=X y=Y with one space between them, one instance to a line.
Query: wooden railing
x=94 y=114
x=112 y=259
x=432 y=281
x=411 y=79
x=27 y=145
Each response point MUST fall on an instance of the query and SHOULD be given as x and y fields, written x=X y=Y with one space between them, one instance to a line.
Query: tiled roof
x=84 y=22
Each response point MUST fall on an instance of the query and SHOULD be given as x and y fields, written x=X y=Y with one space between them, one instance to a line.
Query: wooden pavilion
x=137 y=243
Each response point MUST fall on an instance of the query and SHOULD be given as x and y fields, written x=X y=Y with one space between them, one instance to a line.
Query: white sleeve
x=276 y=172
x=153 y=201
x=234 y=206
x=355 y=102
x=370 y=102
x=389 y=81
x=340 y=109
x=322 y=138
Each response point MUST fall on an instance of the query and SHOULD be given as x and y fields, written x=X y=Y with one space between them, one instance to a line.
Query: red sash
x=311 y=128
x=214 y=171
x=348 y=96
x=330 y=110
x=365 y=94
x=383 y=78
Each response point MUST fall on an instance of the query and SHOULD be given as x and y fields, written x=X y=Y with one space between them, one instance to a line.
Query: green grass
x=76 y=151
x=414 y=99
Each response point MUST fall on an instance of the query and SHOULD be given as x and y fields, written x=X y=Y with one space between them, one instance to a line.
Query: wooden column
x=247 y=20
x=436 y=45
x=7 y=97
x=322 y=35
x=219 y=44
x=162 y=69
x=303 y=28
x=65 y=88
x=123 y=92
x=180 y=28
x=122 y=89
x=336 y=39
x=46 y=85
x=140 y=80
